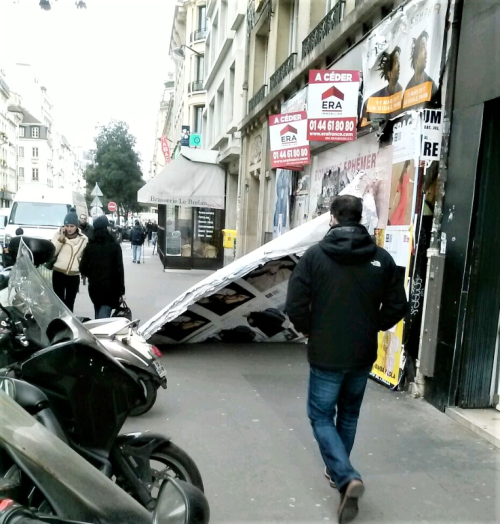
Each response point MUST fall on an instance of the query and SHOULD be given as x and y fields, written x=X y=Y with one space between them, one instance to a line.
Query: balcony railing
x=283 y=71
x=199 y=34
x=195 y=86
x=257 y=98
x=324 y=28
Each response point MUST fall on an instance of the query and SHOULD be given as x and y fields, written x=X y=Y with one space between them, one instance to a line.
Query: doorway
x=478 y=380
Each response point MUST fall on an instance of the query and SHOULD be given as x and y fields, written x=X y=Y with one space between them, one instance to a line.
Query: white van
x=40 y=210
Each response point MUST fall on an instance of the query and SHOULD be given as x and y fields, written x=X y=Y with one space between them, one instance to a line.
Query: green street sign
x=195 y=140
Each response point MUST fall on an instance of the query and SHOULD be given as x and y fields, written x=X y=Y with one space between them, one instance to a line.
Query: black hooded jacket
x=343 y=291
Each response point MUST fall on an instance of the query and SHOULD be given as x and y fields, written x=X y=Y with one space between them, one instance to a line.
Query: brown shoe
x=348 y=508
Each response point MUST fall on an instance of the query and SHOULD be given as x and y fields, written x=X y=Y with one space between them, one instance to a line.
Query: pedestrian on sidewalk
x=70 y=244
x=88 y=231
x=343 y=291
x=149 y=231
x=155 y=232
x=137 y=237
x=102 y=264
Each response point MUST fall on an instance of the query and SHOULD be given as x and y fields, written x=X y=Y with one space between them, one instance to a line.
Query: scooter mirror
x=7 y=385
x=180 y=503
x=43 y=250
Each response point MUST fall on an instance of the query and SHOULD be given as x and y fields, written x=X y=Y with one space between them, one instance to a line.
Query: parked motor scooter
x=89 y=392
x=43 y=480
x=118 y=336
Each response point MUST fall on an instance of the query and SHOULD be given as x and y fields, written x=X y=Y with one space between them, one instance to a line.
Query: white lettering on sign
x=282 y=119
x=328 y=76
x=431 y=134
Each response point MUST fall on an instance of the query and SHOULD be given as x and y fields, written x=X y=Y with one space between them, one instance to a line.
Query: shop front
x=190 y=195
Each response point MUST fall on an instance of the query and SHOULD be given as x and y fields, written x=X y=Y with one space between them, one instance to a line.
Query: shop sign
x=195 y=140
x=165 y=149
x=332 y=105
x=402 y=59
x=185 y=132
x=288 y=137
x=432 y=133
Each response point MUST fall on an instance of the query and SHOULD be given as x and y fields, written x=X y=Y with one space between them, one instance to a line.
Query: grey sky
x=108 y=61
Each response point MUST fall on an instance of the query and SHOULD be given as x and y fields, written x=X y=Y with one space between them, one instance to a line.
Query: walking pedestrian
x=137 y=237
x=102 y=264
x=155 y=232
x=69 y=243
x=88 y=231
x=343 y=291
x=149 y=231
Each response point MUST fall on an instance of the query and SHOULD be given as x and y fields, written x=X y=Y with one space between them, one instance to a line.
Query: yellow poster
x=390 y=357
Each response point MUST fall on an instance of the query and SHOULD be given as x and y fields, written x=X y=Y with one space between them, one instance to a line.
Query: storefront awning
x=193 y=179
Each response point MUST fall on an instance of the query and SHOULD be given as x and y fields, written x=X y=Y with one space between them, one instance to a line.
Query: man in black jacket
x=342 y=293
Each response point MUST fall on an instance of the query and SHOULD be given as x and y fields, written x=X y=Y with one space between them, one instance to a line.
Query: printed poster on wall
x=388 y=368
x=402 y=60
x=351 y=168
x=288 y=137
x=332 y=105
x=281 y=220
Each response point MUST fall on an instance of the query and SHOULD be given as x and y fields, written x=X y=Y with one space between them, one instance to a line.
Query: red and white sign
x=165 y=148
x=332 y=105
x=112 y=207
x=289 y=144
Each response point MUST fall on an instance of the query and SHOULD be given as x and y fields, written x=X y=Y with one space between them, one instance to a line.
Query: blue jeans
x=102 y=311
x=136 y=253
x=336 y=393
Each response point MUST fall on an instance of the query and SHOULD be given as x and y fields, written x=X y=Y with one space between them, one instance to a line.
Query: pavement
x=240 y=412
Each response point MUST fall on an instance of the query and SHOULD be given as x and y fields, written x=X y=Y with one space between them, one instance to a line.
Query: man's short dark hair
x=347 y=208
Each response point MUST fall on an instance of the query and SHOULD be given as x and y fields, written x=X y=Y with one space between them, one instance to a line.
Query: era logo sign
x=288 y=135
x=332 y=105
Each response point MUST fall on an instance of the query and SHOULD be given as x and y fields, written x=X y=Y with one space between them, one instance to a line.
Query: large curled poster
x=402 y=60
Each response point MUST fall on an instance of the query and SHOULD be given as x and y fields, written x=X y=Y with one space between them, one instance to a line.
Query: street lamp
x=178 y=52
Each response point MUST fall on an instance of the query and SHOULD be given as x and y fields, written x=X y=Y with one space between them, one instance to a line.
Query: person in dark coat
x=137 y=237
x=102 y=264
x=88 y=231
x=343 y=291
x=149 y=231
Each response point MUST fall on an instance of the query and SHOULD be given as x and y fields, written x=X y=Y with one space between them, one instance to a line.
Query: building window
x=21 y=172
x=35 y=152
x=35 y=132
x=200 y=67
x=202 y=18
x=34 y=175
x=21 y=132
x=198 y=119
x=21 y=152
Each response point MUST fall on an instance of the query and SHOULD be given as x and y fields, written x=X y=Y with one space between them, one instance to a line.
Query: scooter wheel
x=171 y=460
x=150 y=391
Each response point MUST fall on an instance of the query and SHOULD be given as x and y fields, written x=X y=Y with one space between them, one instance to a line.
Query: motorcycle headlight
x=180 y=503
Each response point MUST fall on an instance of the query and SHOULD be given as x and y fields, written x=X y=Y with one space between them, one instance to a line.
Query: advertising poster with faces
x=402 y=59
x=250 y=309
